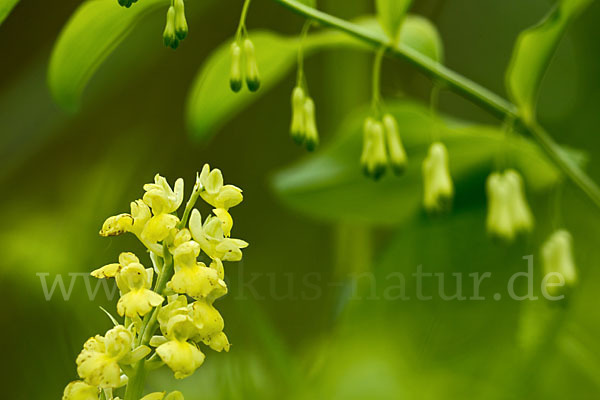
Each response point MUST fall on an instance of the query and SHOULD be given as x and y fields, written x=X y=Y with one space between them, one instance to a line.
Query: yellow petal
x=159 y=227
x=116 y=225
x=108 y=271
x=154 y=396
x=182 y=357
x=78 y=390
x=226 y=220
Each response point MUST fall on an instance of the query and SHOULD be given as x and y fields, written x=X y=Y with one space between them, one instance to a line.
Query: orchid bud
x=438 y=186
x=396 y=152
x=235 y=76
x=252 y=75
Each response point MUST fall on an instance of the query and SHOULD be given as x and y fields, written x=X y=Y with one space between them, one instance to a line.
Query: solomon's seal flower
x=176 y=28
x=252 y=74
x=508 y=212
x=438 y=186
x=311 y=138
x=235 y=74
x=297 y=128
x=176 y=240
x=558 y=260
x=374 y=158
x=303 y=128
x=395 y=149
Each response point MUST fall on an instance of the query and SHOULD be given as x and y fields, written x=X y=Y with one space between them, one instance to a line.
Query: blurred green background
x=297 y=331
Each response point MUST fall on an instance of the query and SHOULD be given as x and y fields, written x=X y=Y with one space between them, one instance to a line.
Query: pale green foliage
x=6 y=7
x=533 y=51
x=92 y=33
x=310 y=3
x=391 y=14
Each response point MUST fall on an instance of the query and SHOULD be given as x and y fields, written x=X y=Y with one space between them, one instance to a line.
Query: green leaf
x=211 y=103
x=92 y=33
x=532 y=54
x=390 y=14
x=6 y=7
x=330 y=185
x=310 y=3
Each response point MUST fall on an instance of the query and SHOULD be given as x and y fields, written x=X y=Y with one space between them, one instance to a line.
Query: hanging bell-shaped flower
x=252 y=74
x=311 y=139
x=298 y=126
x=438 y=186
x=169 y=35
x=181 y=26
x=558 y=260
x=395 y=149
x=235 y=75
x=374 y=158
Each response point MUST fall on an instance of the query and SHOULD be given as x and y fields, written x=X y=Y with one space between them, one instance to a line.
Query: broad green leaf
x=310 y=3
x=211 y=103
x=92 y=33
x=390 y=14
x=6 y=7
x=330 y=185
x=532 y=54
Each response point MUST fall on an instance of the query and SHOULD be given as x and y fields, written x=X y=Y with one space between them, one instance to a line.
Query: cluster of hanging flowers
x=168 y=309
x=303 y=128
x=508 y=211
x=176 y=27
x=382 y=147
x=243 y=54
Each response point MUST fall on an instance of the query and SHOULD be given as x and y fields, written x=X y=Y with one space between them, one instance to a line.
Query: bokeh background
x=296 y=331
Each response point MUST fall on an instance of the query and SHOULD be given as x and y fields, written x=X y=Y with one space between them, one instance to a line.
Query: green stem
x=300 y=75
x=488 y=100
x=242 y=24
x=190 y=205
x=376 y=80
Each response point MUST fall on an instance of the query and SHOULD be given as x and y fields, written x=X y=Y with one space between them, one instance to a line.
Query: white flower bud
x=437 y=182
